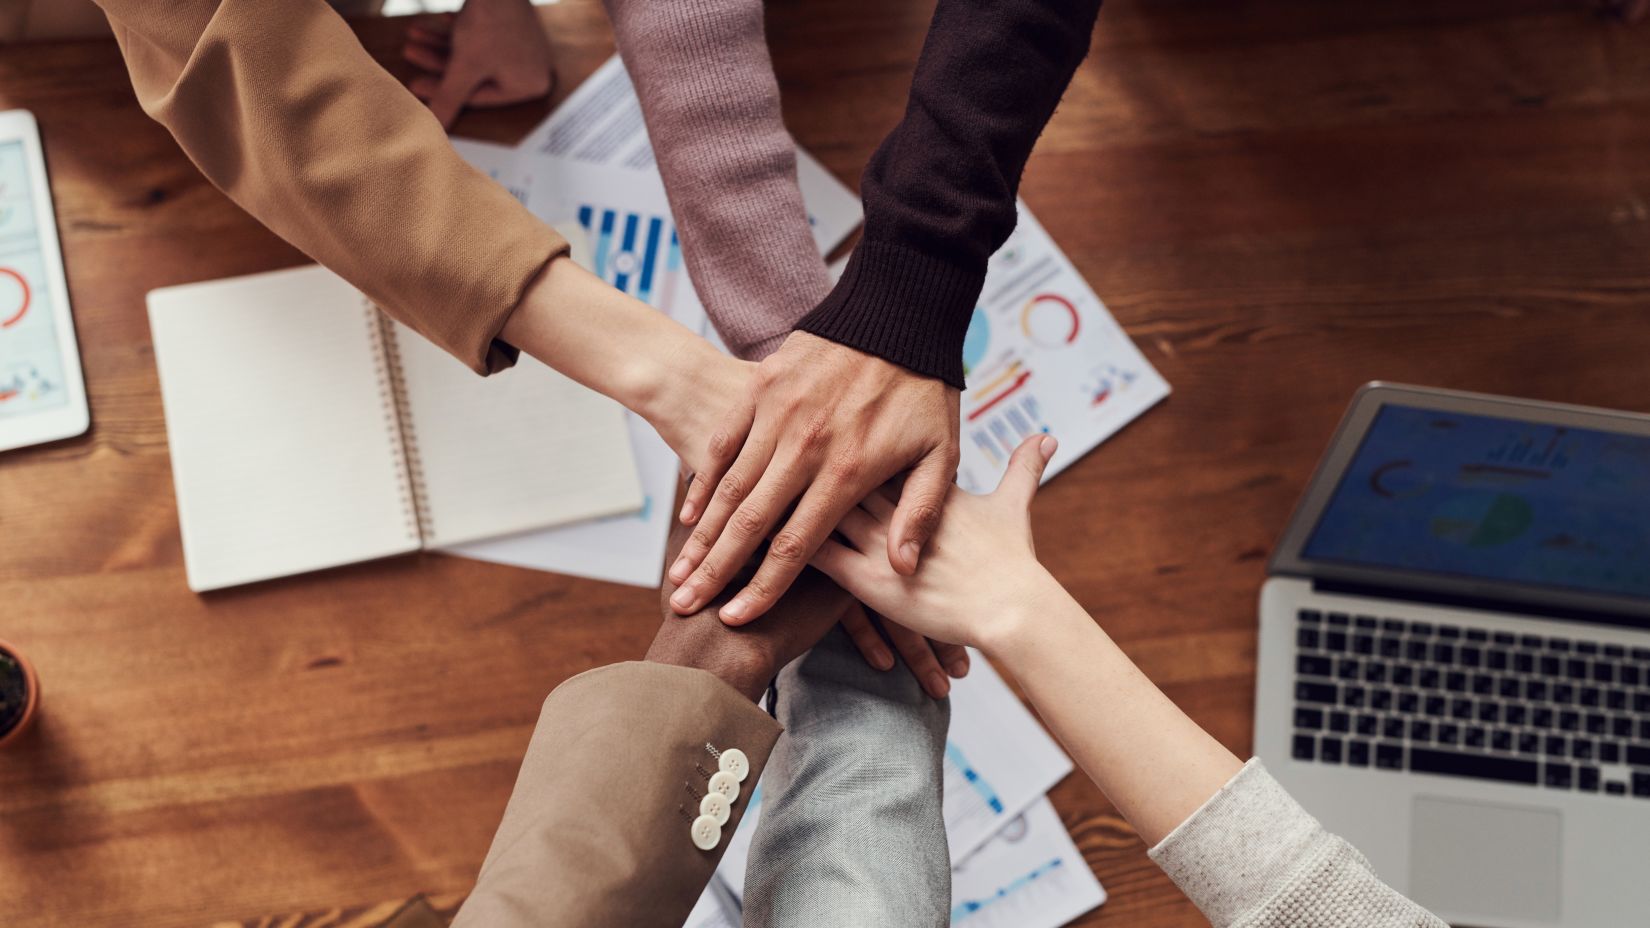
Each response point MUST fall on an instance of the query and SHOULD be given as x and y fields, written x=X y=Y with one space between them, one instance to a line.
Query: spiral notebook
x=308 y=430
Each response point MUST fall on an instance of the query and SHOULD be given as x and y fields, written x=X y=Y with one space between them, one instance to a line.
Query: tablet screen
x=31 y=356
x=1481 y=496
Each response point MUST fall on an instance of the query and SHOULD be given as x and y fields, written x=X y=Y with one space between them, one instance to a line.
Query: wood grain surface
x=1280 y=200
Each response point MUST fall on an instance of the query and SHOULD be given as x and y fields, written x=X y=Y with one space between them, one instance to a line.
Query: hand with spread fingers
x=950 y=599
x=748 y=656
x=821 y=426
x=489 y=53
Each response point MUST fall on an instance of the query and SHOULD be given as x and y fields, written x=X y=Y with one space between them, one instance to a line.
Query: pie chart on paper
x=14 y=297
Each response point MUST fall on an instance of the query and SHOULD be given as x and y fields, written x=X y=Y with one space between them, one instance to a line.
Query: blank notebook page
x=284 y=452
x=523 y=449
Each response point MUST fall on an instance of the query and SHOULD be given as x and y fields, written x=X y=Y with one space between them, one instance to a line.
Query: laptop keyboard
x=1390 y=694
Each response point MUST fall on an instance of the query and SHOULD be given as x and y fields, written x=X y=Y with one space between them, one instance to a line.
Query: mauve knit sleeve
x=939 y=193
x=708 y=93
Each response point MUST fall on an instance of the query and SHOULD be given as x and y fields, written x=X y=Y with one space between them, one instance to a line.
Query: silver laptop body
x=1454 y=655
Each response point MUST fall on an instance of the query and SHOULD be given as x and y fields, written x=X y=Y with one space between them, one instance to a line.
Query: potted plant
x=19 y=693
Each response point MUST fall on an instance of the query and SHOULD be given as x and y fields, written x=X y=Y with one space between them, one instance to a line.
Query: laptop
x=1454 y=654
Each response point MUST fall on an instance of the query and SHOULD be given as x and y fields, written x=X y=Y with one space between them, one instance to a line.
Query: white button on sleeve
x=735 y=762
x=717 y=807
x=706 y=833
x=725 y=783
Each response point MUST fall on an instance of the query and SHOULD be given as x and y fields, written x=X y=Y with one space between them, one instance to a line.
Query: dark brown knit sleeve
x=939 y=192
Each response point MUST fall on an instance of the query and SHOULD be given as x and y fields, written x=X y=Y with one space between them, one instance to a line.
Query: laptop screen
x=1476 y=496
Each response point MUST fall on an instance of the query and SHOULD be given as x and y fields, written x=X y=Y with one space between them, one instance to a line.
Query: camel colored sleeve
x=599 y=828
x=284 y=111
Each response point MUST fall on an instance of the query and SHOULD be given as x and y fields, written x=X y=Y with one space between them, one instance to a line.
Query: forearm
x=284 y=111
x=1154 y=763
x=707 y=89
x=612 y=343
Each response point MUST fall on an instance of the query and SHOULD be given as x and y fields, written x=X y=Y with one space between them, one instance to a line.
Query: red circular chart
x=1050 y=320
x=12 y=308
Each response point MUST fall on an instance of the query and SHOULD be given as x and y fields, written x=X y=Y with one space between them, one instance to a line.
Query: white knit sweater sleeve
x=1251 y=857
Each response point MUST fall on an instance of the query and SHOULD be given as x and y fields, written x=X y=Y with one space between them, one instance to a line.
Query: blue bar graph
x=967 y=907
x=987 y=794
x=638 y=254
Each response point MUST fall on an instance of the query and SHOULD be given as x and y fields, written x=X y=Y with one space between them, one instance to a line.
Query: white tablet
x=42 y=395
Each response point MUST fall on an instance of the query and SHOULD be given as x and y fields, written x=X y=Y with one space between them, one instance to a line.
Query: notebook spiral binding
x=409 y=471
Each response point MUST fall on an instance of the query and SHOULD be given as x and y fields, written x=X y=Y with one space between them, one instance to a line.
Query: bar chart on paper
x=638 y=254
x=1030 y=873
x=967 y=791
x=1013 y=891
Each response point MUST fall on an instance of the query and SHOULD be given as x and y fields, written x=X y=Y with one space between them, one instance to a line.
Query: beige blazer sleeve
x=284 y=111
x=598 y=830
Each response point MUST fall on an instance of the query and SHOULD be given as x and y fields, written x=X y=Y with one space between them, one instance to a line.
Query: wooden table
x=1279 y=202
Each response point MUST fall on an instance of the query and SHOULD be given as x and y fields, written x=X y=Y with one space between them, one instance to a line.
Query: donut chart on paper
x=14 y=297
x=1050 y=320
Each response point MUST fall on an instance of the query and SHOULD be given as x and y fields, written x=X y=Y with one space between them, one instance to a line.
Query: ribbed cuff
x=1242 y=847
x=902 y=306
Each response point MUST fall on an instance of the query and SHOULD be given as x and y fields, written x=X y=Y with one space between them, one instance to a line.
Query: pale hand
x=690 y=403
x=980 y=575
x=820 y=428
x=490 y=53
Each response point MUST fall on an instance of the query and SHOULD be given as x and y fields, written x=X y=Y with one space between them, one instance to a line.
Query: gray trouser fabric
x=851 y=832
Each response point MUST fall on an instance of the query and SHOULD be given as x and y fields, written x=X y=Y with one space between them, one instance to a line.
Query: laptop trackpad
x=1485 y=860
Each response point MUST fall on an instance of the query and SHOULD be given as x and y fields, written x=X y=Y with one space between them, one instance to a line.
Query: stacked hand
x=746 y=658
x=952 y=598
x=490 y=53
x=901 y=414
x=819 y=427
x=863 y=420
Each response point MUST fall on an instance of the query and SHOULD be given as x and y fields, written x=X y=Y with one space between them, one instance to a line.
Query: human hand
x=981 y=574
x=923 y=657
x=489 y=53
x=747 y=657
x=821 y=425
x=689 y=401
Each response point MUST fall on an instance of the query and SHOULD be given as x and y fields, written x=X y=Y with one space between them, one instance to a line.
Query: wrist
x=567 y=318
x=688 y=395
x=664 y=389
x=748 y=669
x=1026 y=618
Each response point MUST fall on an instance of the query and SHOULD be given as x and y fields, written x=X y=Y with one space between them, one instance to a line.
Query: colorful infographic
x=1042 y=354
x=638 y=254
x=1030 y=873
x=31 y=361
